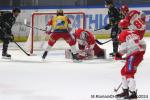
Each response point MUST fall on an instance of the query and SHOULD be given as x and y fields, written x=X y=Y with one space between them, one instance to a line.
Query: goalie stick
x=98 y=29
x=101 y=43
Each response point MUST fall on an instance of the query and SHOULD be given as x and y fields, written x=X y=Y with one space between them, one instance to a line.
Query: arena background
x=96 y=13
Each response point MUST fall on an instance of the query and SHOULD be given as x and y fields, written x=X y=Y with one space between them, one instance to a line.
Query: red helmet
x=124 y=9
x=123 y=24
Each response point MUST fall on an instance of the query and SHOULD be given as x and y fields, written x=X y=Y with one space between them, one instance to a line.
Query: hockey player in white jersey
x=133 y=50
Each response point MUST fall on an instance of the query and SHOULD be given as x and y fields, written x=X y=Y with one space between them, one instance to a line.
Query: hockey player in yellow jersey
x=59 y=27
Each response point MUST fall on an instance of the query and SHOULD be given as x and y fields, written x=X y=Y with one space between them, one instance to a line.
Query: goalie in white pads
x=88 y=49
x=133 y=49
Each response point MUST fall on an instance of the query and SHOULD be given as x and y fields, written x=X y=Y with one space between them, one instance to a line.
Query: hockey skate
x=6 y=56
x=124 y=94
x=131 y=96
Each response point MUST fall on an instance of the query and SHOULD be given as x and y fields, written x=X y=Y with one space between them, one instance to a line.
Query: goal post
x=37 y=38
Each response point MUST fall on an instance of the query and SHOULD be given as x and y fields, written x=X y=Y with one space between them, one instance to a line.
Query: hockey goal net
x=37 y=38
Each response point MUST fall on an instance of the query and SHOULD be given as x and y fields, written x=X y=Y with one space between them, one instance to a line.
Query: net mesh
x=37 y=39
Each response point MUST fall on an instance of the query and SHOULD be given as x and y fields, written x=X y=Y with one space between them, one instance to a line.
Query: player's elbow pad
x=142 y=44
x=69 y=28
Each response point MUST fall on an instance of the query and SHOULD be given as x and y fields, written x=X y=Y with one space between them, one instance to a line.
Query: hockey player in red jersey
x=135 y=20
x=87 y=45
x=60 y=27
x=132 y=49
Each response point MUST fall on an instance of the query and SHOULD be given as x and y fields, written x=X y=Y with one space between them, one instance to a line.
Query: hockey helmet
x=123 y=24
x=108 y=2
x=124 y=9
x=60 y=12
x=16 y=10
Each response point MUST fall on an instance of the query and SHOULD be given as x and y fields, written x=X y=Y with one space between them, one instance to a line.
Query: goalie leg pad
x=68 y=54
x=81 y=55
x=99 y=52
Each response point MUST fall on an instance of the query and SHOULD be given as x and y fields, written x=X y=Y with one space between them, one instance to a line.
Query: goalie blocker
x=88 y=49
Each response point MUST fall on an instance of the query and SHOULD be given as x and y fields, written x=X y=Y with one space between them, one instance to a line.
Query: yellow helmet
x=60 y=12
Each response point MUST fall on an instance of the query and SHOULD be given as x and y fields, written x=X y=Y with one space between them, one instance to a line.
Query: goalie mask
x=84 y=36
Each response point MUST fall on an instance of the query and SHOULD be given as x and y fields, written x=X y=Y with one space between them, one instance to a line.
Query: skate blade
x=124 y=99
x=3 y=57
x=33 y=55
x=133 y=99
x=77 y=61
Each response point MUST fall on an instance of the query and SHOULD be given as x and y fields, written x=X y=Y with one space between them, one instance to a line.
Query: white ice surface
x=29 y=78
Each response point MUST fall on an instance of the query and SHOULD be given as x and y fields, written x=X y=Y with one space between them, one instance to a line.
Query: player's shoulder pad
x=4 y=12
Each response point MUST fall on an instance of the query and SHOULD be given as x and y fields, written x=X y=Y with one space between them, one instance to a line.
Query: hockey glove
x=118 y=56
x=107 y=27
x=11 y=37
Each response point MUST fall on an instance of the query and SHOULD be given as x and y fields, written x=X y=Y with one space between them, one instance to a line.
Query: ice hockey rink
x=29 y=78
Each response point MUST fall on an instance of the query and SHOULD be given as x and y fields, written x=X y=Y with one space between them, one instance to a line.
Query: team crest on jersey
x=60 y=23
x=132 y=37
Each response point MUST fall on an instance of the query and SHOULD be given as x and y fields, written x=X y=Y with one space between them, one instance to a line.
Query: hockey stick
x=101 y=43
x=21 y=48
x=116 y=89
x=18 y=45
x=35 y=28
x=98 y=29
x=25 y=24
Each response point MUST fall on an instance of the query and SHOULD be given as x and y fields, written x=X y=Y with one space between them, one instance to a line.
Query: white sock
x=124 y=83
x=131 y=84
x=48 y=47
